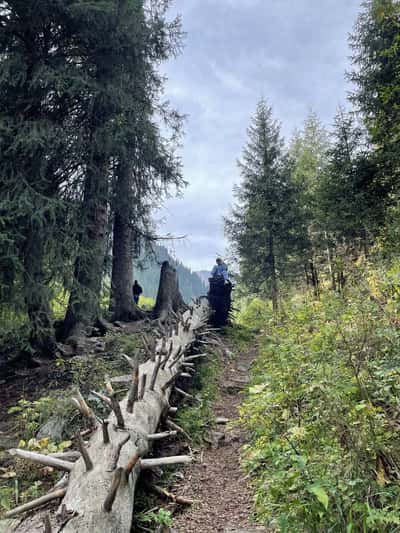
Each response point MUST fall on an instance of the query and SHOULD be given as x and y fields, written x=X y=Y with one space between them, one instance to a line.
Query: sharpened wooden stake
x=143 y=380
x=155 y=372
x=134 y=388
x=171 y=346
x=115 y=405
x=110 y=498
x=116 y=452
x=36 y=503
x=104 y=427
x=84 y=452
x=170 y=382
x=131 y=464
x=176 y=358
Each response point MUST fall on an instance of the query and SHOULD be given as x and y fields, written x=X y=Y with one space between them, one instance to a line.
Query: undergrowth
x=323 y=411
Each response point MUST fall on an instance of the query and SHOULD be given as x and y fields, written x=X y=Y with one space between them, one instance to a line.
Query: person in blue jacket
x=220 y=270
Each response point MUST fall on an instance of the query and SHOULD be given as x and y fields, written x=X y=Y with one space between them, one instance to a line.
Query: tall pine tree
x=262 y=227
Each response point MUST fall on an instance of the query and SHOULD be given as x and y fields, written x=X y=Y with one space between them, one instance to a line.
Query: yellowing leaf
x=320 y=494
x=256 y=389
x=381 y=478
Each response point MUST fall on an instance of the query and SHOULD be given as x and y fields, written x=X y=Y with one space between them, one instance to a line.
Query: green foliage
x=324 y=450
x=30 y=415
x=197 y=419
x=162 y=517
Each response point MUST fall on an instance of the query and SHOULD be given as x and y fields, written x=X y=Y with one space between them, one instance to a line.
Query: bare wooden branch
x=165 y=461
x=185 y=394
x=170 y=382
x=84 y=452
x=160 y=436
x=102 y=397
x=85 y=410
x=171 y=347
x=176 y=358
x=129 y=360
x=134 y=390
x=173 y=410
x=148 y=348
x=116 y=453
x=104 y=427
x=115 y=405
x=194 y=357
x=185 y=375
x=142 y=386
x=42 y=459
x=177 y=428
x=108 y=502
x=169 y=496
x=155 y=372
x=36 y=503
x=131 y=464
x=61 y=483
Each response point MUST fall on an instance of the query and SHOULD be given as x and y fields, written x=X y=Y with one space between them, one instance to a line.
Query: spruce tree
x=36 y=158
x=262 y=227
x=376 y=75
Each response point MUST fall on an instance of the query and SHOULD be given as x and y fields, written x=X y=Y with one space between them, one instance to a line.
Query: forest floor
x=221 y=490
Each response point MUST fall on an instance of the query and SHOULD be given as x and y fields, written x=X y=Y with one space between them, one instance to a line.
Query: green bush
x=323 y=415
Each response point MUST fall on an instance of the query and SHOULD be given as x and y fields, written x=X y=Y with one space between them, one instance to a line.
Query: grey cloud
x=293 y=52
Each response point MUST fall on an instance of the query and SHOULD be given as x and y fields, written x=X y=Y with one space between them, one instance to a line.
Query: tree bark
x=122 y=305
x=42 y=335
x=168 y=297
x=274 y=279
x=84 y=301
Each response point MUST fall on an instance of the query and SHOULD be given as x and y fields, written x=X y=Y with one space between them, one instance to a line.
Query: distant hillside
x=147 y=272
x=203 y=275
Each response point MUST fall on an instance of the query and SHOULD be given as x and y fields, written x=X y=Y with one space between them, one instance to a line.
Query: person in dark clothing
x=136 y=291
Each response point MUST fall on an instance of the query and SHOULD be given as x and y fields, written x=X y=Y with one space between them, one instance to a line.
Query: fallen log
x=98 y=500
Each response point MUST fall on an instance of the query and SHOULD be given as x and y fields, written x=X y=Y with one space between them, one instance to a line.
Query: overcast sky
x=292 y=52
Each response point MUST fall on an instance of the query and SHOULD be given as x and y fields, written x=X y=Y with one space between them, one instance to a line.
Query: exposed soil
x=220 y=488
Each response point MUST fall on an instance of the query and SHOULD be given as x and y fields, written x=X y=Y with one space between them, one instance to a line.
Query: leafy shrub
x=323 y=416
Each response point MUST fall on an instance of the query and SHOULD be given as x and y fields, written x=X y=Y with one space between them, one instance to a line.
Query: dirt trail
x=224 y=499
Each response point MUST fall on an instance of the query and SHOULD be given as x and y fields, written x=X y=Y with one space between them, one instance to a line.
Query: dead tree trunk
x=101 y=489
x=168 y=297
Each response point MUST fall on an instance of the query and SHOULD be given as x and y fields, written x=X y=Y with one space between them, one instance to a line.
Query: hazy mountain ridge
x=147 y=272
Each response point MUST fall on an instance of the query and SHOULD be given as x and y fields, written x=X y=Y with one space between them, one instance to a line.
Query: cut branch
x=36 y=503
x=165 y=461
x=84 y=452
x=42 y=459
x=109 y=501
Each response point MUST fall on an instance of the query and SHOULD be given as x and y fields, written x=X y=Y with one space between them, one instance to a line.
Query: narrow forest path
x=224 y=499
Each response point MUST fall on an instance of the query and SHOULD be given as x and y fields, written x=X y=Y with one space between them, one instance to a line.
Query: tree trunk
x=274 y=280
x=84 y=301
x=42 y=335
x=89 y=489
x=330 y=267
x=122 y=305
x=168 y=297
